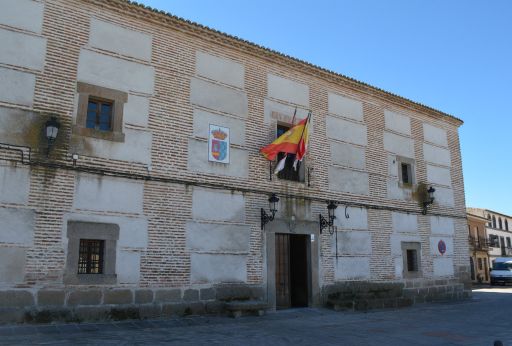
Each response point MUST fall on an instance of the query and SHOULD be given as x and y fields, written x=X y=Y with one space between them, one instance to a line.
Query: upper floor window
x=493 y=221
x=499 y=223
x=494 y=240
x=489 y=218
x=405 y=171
x=506 y=225
x=289 y=172
x=100 y=112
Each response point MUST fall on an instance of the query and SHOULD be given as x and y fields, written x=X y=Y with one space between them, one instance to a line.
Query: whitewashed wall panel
x=223 y=70
x=397 y=122
x=118 y=39
x=287 y=90
x=345 y=106
x=22 y=50
x=22 y=14
x=115 y=73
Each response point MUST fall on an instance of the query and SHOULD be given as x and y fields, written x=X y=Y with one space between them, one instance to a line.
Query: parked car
x=501 y=271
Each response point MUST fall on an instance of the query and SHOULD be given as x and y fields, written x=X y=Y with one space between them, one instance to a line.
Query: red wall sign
x=441 y=246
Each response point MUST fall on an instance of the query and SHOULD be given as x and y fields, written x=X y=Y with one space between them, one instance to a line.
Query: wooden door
x=283 y=297
x=292 y=270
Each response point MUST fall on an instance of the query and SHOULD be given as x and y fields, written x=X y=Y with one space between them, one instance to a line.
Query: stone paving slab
x=479 y=321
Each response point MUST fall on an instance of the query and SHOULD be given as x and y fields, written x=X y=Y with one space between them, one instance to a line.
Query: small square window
x=91 y=253
x=91 y=256
x=100 y=112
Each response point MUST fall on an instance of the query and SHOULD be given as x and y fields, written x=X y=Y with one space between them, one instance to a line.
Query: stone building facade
x=478 y=249
x=162 y=230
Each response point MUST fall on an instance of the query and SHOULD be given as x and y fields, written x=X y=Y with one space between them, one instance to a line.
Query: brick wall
x=167 y=189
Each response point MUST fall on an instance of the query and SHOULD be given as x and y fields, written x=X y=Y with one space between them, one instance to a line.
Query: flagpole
x=303 y=129
x=300 y=139
x=293 y=119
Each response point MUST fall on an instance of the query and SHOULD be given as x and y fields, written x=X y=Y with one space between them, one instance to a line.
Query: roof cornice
x=204 y=32
x=498 y=213
x=476 y=217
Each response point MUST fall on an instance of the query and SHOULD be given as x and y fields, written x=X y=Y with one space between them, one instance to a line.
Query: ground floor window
x=91 y=257
x=411 y=253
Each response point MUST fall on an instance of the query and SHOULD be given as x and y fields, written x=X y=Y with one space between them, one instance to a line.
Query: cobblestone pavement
x=480 y=321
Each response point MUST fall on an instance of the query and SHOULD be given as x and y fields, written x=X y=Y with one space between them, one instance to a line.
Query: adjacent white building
x=499 y=232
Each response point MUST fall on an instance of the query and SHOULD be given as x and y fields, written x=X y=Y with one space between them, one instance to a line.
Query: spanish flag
x=293 y=141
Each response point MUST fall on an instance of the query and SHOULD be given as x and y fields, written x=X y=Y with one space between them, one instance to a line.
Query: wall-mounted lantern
x=429 y=200
x=52 y=129
x=331 y=207
x=272 y=204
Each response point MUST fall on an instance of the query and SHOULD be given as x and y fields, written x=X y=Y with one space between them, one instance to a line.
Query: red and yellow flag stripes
x=293 y=141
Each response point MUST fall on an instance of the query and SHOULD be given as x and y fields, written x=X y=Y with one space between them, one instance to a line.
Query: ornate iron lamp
x=331 y=207
x=429 y=201
x=272 y=203
x=52 y=129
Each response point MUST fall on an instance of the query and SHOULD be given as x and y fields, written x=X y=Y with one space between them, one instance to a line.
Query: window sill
x=412 y=275
x=105 y=135
x=408 y=186
x=91 y=279
x=291 y=181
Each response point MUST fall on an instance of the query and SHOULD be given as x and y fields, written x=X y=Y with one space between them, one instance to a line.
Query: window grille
x=90 y=259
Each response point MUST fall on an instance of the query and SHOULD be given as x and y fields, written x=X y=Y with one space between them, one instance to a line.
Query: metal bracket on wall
x=19 y=148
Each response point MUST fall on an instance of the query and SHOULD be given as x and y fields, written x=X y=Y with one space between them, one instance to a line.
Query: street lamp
x=272 y=204
x=52 y=129
x=429 y=201
x=331 y=207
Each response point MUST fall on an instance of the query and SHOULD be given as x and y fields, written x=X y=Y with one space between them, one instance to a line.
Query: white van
x=501 y=270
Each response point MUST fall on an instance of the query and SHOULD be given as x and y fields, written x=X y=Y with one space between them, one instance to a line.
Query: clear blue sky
x=455 y=56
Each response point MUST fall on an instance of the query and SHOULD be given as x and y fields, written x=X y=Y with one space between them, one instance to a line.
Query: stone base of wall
x=363 y=295
x=95 y=304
